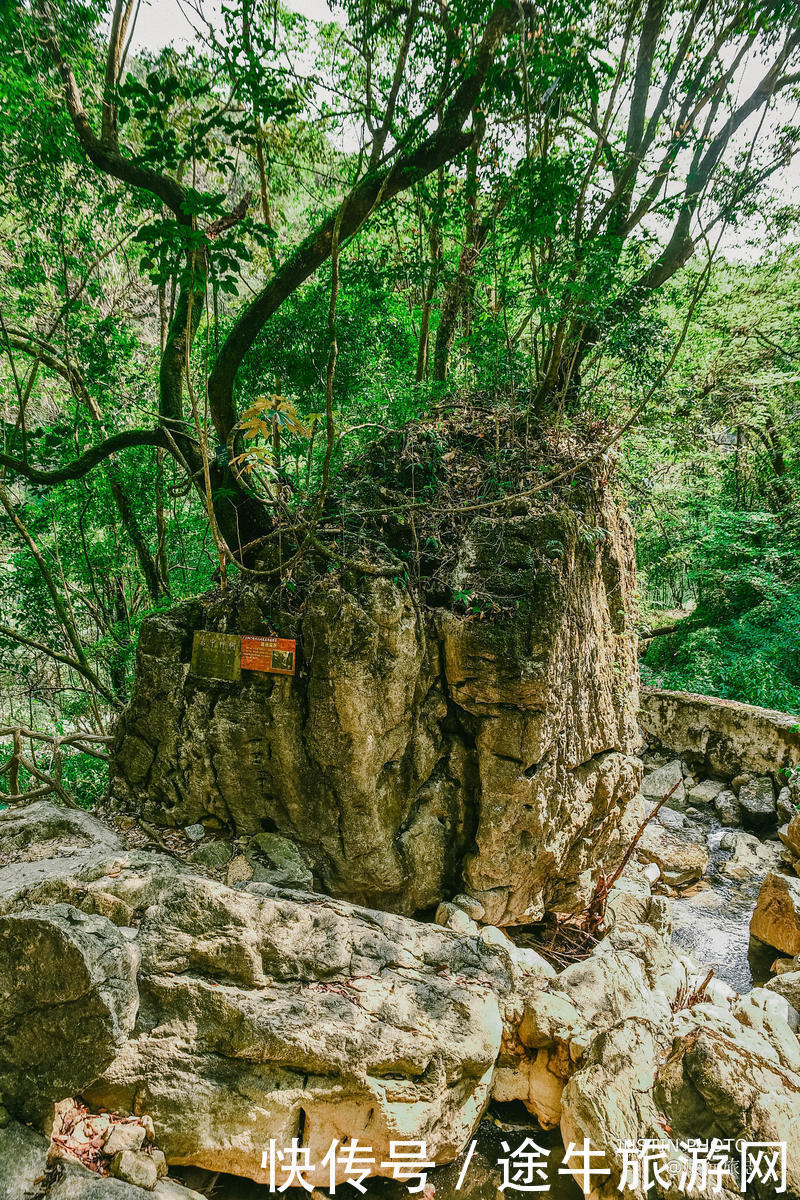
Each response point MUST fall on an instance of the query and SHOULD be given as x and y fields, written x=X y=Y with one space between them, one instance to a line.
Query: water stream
x=712 y=921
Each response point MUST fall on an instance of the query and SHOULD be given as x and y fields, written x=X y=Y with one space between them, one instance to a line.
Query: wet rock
x=728 y=809
x=661 y=781
x=757 y=803
x=672 y=819
x=68 y=999
x=751 y=858
x=776 y=919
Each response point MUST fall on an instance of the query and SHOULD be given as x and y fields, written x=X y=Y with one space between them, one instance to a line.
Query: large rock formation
x=722 y=737
x=260 y=1014
x=267 y=1014
x=418 y=752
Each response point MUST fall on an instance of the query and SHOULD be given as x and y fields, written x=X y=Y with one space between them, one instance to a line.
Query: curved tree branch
x=90 y=458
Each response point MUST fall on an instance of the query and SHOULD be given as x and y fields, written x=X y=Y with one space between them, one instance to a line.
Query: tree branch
x=89 y=459
x=375 y=189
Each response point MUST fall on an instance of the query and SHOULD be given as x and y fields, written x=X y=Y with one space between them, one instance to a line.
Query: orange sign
x=273 y=654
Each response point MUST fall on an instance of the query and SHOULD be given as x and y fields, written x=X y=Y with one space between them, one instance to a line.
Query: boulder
x=705 y=792
x=37 y=830
x=213 y=853
x=790 y=835
x=136 y=1167
x=728 y=809
x=264 y=1013
x=787 y=809
x=681 y=858
x=416 y=753
x=787 y=984
x=68 y=999
x=776 y=919
x=757 y=804
x=751 y=858
x=285 y=865
x=662 y=780
x=270 y=1017
x=708 y=1071
x=735 y=1079
x=27 y=1171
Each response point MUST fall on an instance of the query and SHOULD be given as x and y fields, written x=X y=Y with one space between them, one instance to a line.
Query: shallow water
x=713 y=924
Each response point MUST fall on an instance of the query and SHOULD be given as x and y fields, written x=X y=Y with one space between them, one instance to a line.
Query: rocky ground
x=179 y=1007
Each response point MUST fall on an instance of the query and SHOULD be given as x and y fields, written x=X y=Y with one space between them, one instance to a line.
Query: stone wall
x=418 y=752
x=721 y=738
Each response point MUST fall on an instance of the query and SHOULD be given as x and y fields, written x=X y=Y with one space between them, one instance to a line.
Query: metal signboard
x=217 y=655
x=273 y=654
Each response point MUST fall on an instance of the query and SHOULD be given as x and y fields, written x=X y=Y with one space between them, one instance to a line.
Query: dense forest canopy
x=230 y=268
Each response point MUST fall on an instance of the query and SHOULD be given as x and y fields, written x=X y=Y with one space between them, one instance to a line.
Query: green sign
x=217 y=656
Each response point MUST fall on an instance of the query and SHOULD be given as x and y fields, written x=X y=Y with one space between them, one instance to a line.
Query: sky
x=163 y=21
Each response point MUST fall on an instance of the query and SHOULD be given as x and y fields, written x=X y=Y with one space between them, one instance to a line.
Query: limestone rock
x=707 y=1072
x=721 y=738
x=136 y=1167
x=787 y=984
x=633 y=971
x=195 y=833
x=792 y=835
x=757 y=803
x=285 y=864
x=681 y=859
x=472 y=907
x=658 y=783
x=725 y=1079
x=414 y=754
x=213 y=853
x=786 y=808
x=68 y=999
x=37 y=830
x=728 y=809
x=705 y=792
x=776 y=919
x=751 y=858
x=239 y=871
x=267 y=1013
x=23 y=1167
x=610 y=1099
x=123 y=1137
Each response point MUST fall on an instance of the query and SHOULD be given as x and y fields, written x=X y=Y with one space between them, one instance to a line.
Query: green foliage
x=714 y=485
